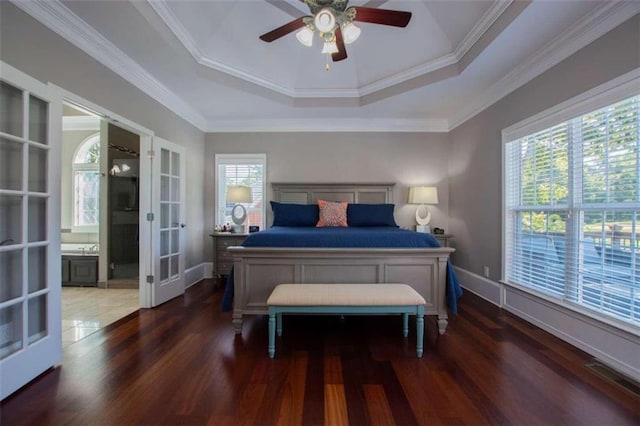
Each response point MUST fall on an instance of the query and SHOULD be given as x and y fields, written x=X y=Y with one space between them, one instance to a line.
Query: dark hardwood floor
x=181 y=363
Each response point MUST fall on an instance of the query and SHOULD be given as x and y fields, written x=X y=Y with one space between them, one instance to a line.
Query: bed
x=354 y=254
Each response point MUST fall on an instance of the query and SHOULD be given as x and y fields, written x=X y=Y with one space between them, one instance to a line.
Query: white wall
x=35 y=50
x=404 y=158
x=475 y=159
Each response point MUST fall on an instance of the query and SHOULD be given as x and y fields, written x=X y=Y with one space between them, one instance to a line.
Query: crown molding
x=328 y=125
x=64 y=22
x=57 y=17
x=595 y=25
x=173 y=23
x=486 y=21
x=80 y=122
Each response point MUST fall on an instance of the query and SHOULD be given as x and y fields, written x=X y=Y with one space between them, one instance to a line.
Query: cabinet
x=80 y=270
x=222 y=260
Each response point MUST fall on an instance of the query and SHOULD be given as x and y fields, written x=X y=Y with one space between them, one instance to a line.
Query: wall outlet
x=486 y=272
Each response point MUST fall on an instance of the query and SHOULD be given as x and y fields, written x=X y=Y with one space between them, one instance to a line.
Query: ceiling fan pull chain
x=326 y=67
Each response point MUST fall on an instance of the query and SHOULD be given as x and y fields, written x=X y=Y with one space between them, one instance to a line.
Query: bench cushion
x=344 y=295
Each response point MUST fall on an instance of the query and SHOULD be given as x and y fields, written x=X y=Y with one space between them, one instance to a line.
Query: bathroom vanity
x=79 y=265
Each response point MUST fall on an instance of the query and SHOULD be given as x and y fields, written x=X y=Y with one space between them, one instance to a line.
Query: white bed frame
x=257 y=270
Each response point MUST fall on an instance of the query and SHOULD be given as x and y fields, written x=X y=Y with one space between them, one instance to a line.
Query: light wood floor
x=86 y=310
x=182 y=364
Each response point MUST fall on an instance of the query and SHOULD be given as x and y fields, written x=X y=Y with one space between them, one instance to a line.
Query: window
x=241 y=170
x=86 y=184
x=572 y=210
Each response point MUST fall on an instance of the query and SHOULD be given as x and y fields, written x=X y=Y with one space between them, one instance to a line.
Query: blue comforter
x=350 y=237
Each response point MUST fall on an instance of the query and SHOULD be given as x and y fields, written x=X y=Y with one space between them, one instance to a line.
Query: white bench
x=346 y=299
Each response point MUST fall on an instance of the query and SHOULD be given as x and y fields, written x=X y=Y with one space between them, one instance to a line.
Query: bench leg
x=272 y=334
x=279 y=323
x=405 y=324
x=420 y=331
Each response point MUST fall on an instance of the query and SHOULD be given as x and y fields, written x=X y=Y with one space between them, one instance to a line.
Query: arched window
x=86 y=184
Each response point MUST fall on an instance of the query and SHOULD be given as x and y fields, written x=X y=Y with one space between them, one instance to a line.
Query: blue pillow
x=370 y=215
x=294 y=214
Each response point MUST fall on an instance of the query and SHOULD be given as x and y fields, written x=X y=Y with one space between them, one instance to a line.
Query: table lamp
x=423 y=195
x=239 y=195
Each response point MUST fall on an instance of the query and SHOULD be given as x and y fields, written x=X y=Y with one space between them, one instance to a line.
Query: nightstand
x=443 y=239
x=222 y=260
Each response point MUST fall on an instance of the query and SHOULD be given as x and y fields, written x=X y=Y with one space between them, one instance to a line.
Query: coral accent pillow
x=332 y=214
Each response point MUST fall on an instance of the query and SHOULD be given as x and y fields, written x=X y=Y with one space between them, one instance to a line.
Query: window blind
x=241 y=170
x=572 y=211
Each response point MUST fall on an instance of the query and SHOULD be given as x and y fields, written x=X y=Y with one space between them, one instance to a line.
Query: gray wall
x=404 y=158
x=39 y=52
x=475 y=155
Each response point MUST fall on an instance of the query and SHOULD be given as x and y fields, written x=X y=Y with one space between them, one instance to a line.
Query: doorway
x=100 y=222
x=123 y=209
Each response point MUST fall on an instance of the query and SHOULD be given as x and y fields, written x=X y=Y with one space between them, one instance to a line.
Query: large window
x=241 y=170
x=86 y=184
x=572 y=210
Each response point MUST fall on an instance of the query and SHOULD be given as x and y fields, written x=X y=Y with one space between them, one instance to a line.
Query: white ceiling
x=204 y=60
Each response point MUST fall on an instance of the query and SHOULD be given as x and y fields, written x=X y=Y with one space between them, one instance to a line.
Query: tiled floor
x=86 y=310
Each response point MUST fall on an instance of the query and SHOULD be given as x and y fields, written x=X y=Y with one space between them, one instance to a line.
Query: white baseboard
x=197 y=273
x=489 y=290
x=612 y=346
x=208 y=269
x=193 y=275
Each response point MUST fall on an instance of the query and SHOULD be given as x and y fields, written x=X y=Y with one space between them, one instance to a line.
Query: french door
x=30 y=280
x=168 y=191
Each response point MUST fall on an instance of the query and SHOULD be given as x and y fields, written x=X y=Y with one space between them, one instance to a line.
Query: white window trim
x=608 y=93
x=88 y=229
x=241 y=159
x=618 y=89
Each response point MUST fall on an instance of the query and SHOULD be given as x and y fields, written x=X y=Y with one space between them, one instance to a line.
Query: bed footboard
x=257 y=271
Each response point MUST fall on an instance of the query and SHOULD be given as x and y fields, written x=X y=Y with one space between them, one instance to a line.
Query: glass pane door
x=26 y=288
x=170 y=206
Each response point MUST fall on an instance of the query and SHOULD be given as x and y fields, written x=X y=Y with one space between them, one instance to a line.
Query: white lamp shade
x=329 y=47
x=239 y=194
x=423 y=195
x=305 y=36
x=350 y=33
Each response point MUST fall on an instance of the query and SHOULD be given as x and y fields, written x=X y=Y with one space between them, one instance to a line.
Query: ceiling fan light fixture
x=350 y=33
x=329 y=47
x=305 y=36
x=325 y=21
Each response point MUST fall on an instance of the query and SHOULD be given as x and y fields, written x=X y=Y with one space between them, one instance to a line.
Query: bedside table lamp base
x=425 y=229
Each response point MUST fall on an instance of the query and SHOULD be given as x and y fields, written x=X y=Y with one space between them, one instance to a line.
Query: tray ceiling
x=203 y=59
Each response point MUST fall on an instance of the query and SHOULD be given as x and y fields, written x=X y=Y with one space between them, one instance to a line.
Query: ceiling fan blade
x=341 y=54
x=282 y=31
x=394 y=18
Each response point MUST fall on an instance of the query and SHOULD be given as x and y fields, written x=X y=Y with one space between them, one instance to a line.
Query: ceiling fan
x=334 y=22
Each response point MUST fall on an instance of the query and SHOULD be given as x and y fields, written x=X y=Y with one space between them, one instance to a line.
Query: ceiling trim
x=57 y=17
x=488 y=19
x=174 y=25
x=328 y=125
x=61 y=20
x=592 y=27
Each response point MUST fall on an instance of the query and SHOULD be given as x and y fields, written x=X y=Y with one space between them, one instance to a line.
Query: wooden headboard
x=310 y=193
